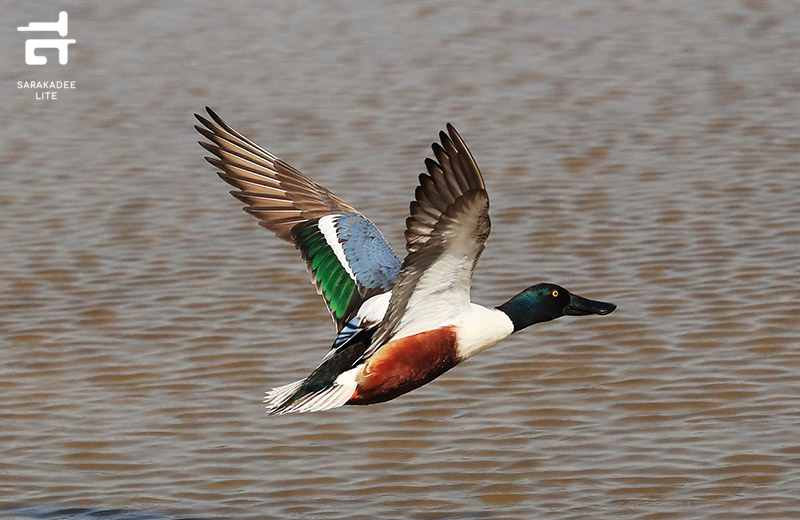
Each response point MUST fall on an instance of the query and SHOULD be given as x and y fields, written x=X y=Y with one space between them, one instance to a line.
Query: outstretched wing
x=445 y=235
x=347 y=256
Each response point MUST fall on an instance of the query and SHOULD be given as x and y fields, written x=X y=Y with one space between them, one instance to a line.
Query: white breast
x=480 y=328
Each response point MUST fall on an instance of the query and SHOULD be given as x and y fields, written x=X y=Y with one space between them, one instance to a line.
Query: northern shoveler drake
x=399 y=324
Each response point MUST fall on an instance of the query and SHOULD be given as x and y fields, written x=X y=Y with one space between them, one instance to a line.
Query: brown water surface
x=642 y=153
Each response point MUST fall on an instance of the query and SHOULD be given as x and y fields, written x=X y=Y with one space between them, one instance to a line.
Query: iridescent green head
x=547 y=301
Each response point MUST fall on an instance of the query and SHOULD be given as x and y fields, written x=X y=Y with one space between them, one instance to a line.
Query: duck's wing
x=347 y=256
x=445 y=235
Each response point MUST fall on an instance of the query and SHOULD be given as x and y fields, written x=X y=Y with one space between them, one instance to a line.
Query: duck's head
x=547 y=301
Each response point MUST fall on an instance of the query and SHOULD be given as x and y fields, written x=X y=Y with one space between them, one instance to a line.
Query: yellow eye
x=555 y=294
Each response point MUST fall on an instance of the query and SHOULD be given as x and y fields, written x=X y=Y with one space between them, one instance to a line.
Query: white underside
x=439 y=297
x=478 y=327
x=476 y=330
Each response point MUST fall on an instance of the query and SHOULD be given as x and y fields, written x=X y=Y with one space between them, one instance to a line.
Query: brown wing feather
x=445 y=235
x=453 y=173
x=277 y=194
x=290 y=204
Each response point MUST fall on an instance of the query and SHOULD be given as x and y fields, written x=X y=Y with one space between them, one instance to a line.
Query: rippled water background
x=644 y=153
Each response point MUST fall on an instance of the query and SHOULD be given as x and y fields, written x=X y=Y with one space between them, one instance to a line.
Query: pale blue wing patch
x=350 y=262
x=369 y=257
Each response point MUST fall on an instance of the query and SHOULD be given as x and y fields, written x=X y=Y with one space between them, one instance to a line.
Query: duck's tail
x=297 y=397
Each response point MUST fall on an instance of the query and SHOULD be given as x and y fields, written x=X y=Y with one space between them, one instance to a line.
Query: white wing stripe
x=327 y=225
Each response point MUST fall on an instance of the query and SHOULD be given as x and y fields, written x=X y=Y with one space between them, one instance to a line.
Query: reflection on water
x=642 y=154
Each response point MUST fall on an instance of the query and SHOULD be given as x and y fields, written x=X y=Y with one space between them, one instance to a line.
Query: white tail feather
x=331 y=397
x=278 y=395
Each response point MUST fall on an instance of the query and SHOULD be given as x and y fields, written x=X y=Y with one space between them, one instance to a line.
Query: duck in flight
x=399 y=324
